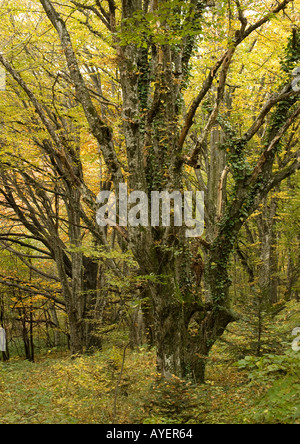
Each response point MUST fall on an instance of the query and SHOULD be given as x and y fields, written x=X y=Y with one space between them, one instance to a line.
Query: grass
x=58 y=390
x=82 y=391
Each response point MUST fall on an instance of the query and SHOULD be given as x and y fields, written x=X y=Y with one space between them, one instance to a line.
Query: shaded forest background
x=177 y=95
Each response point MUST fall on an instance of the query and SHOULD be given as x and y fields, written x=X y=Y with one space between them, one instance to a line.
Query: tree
x=32 y=192
x=160 y=146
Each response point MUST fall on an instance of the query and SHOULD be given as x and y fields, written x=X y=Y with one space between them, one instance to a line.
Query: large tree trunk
x=170 y=332
x=186 y=327
x=185 y=334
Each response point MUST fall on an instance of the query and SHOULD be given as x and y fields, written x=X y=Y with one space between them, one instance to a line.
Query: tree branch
x=100 y=130
x=241 y=35
x=103 y=16
x=285 y=94
x=276 y=139
x=32 y=290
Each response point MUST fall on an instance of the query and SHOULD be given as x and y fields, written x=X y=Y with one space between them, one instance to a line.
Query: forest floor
x=58 y=390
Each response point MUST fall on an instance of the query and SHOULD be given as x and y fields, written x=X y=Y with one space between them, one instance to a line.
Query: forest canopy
x=178 y=98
